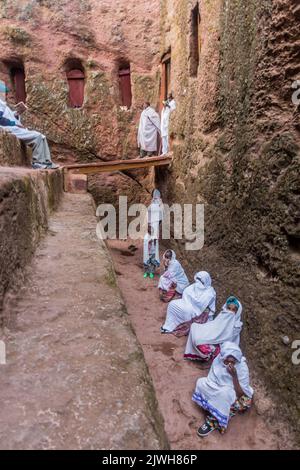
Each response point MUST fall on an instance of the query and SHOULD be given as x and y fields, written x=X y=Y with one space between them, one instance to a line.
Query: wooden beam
x=118 y=165
x=115 y=165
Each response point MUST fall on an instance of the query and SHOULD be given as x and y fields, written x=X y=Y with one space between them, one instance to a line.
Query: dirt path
x=174 y=379
x=75 y=376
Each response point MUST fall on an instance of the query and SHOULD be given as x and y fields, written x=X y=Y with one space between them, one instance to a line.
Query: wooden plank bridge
x=108 y=167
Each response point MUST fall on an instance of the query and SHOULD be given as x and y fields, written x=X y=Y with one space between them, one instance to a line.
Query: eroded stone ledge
x=27 y=198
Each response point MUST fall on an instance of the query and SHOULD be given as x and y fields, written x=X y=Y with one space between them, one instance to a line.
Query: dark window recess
x=125 y=87
x=194 y=42
x=18 y=80
x=76 y=88
x=294 y=244
x=165 y=86
x=168 y=77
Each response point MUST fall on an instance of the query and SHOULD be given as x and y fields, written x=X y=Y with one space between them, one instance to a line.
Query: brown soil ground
x=174 y=379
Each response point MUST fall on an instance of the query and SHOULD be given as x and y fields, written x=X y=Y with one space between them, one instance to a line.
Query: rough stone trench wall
x=102 y=34
x=236 y=145
x=26 y=200
x=12 y=152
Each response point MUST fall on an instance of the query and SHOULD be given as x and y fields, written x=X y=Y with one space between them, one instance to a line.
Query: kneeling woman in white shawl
x=174 y=279
x=225 y=391
x=196 y=299
x=204 y=341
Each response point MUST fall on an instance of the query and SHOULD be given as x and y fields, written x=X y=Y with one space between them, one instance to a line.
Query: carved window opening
x=194 y=56
x=15 y=79
x=166 y=71
x=76 y=83
x=18 y=81
x=125 y=85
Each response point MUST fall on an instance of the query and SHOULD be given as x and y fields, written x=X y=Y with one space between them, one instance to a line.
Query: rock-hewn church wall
x=236 y=149
x=27 y=199
x=12 y=152
x=235 y=134
x=102 y=36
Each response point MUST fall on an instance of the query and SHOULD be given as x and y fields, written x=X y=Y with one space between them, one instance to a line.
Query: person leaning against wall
x=169 y=106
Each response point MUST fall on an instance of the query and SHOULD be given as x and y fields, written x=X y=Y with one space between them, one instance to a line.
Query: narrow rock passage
x=75 y=376
x=174 y=379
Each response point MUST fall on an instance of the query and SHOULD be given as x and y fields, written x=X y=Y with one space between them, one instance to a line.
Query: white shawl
x=149 y=127
x=216 y=392
x=200 y=295
x=174 y=274
x=219 y=371
x=165 y=117
x=7 y=112
x=225 y=327
x=19 y=132
x=195 y=299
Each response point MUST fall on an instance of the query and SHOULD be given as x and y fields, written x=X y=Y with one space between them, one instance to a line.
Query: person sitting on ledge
x=225 y=391
x=10 y=122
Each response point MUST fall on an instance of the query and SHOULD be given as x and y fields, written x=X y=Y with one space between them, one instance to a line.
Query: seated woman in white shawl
x=174 y=279
x=204 y=340
x=198 y=301
x=225 y=391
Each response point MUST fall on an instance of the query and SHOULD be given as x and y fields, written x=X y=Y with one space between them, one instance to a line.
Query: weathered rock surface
x=235 y=136
x=236 y=145
x=12 y=152
x=103 y=35
x=27 y=198
x=75 y=376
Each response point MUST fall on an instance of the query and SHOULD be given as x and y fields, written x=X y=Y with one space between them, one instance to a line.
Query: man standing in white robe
x=149 y=129
x=10 y=122
x=169 y=107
